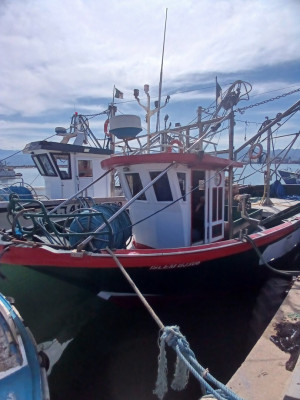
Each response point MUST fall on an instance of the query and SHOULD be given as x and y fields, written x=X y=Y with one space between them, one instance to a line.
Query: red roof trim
x=205 y=161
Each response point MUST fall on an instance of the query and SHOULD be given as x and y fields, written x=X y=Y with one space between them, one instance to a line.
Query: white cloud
x=54 y=53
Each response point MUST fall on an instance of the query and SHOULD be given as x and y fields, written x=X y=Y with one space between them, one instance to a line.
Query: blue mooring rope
x=186 y=362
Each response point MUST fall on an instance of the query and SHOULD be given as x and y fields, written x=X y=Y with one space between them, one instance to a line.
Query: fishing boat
x=178 y=231
x=70 y=168
x=290 y=177
x=22 y=368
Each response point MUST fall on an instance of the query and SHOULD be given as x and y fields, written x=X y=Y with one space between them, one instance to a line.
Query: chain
x=242 y=110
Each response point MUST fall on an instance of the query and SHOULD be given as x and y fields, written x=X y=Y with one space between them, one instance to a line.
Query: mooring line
x=186 y=360
x=133 y=285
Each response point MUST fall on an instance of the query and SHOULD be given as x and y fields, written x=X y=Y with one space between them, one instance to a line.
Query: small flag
x=218 y=93
x=118 y=94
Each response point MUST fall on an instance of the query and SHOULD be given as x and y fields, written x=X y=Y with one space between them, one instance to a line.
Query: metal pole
x=230 y=175
x=278 y=118
x=267 y=201
x=80 y=191
x=148 y=122
x=200 y=127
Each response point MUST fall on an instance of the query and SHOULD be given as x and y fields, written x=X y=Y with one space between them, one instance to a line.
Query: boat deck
x=264 y=374
x=276 y=205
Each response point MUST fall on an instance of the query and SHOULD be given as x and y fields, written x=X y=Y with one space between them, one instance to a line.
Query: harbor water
x=108 y=350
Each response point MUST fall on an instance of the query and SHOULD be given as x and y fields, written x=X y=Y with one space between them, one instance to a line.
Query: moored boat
x=70 y=169
x=290 y=177
x=6 y=171
x=22 y=371
x=176 y=233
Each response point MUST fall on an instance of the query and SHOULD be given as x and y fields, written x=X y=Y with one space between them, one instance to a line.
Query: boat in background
x=290 y=177
x=22 y=367
x=7 y=171
x=71 y=170
x=177 y=232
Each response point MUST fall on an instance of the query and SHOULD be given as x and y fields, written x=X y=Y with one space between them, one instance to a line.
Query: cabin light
x=125 y=169
x=86 y=150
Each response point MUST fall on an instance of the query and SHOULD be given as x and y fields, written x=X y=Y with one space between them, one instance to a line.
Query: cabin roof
x=64 y=148
x=202 y=160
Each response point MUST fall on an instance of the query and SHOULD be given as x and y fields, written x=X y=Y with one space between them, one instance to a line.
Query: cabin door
x=198 y=207
x=215 y=197
x=85 y=176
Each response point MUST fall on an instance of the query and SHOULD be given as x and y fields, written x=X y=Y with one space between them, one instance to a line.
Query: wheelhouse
x=192 y=182
x=68 y=168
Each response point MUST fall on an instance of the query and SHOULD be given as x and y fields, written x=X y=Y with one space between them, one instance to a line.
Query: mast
x=161 y=74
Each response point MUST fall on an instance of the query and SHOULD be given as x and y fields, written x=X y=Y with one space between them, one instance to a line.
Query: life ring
x=106 y=131
x=172 y=143
x=253 y=155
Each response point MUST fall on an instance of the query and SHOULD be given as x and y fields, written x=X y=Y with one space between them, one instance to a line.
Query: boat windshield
x=161 y=187
x=62 y=163
x=44 y=165
x=135 y=185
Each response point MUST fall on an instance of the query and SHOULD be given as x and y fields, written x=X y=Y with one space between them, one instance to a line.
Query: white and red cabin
x=177 y=192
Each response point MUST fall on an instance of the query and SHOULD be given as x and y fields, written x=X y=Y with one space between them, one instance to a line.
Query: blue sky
x=58 y=57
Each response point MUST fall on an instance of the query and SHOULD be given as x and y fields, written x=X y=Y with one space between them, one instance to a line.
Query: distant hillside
x=15 y=158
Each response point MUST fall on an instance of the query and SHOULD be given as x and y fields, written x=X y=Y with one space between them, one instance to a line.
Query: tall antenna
x=161 y=74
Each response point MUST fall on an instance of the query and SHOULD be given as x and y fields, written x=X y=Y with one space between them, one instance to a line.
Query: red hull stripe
x=143 y=258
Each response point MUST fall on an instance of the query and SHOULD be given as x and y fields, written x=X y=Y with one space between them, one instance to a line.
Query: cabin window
x=117 y=183
x=62 y=163
x=220 y=203
x=214 y=204
x=217 y=230
x=44 y=165
x=85 y=168
x=161 y=187
x=182 y=184
x=135 y=185
x=217 y=206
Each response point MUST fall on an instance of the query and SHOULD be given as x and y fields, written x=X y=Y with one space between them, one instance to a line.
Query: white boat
x=70 y=168
x=6 y=171
x=290 y=177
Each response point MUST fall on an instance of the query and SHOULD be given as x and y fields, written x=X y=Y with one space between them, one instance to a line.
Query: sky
x=58 y=57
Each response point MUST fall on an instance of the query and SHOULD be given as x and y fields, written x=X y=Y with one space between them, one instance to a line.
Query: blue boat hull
x=21 y=373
